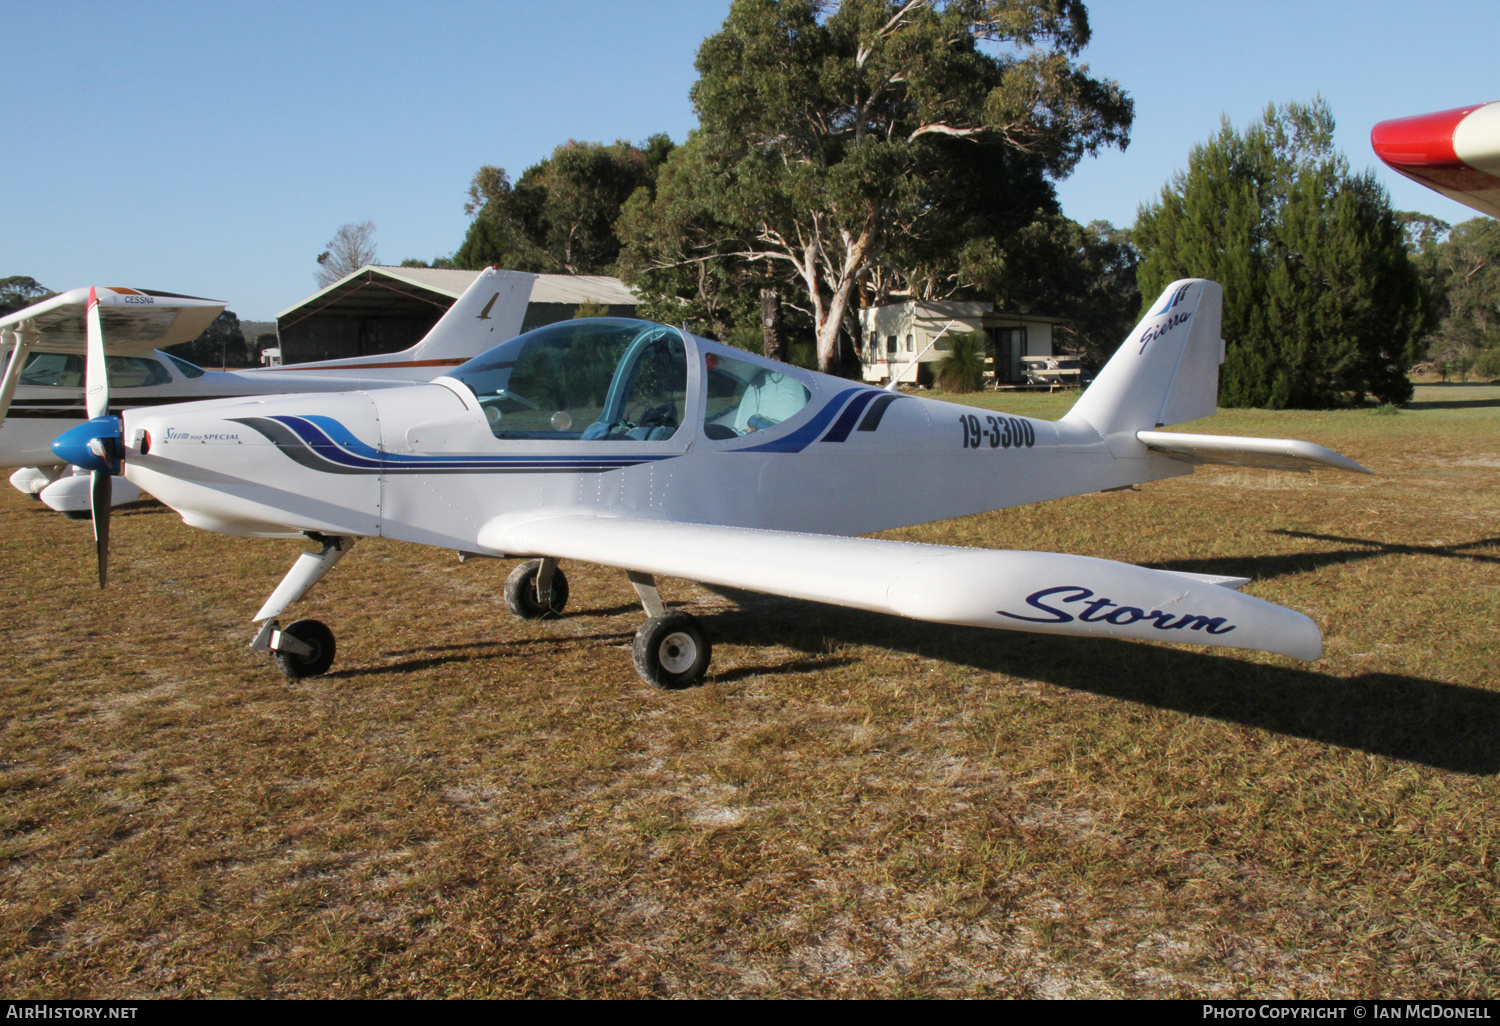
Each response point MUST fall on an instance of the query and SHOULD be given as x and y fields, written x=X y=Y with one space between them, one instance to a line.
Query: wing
x=135 y=321
x=1271 y=453
x=1456 y=152
x=132 y=322
x=1043 y=592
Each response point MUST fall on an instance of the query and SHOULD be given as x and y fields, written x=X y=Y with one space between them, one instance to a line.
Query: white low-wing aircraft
x=41 y=391
x=640 y=446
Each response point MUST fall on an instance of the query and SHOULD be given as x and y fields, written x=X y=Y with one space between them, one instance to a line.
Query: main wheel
x=671 y=651
x=315 y=634
x=521 y=597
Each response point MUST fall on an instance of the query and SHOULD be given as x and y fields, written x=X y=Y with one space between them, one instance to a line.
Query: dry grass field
x=851 y=805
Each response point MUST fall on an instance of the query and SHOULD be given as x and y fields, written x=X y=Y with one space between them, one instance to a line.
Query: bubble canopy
x=600 y=378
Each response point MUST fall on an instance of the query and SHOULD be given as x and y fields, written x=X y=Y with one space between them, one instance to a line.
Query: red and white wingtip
x=1455 y=152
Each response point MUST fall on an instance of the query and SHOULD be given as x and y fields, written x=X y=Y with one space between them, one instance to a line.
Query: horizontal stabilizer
x=1270 y=453
x=1042 y=592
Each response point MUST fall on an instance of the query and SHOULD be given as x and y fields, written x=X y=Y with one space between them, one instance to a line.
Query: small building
x=380 y=309
x=897 y=339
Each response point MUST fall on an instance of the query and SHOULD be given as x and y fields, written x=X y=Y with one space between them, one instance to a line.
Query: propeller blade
x=96 y=377
x=99 y=497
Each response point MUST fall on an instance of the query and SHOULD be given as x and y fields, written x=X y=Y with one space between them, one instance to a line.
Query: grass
x=852 y=805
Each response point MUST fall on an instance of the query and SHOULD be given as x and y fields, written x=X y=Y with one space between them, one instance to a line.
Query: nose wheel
x=304 y=649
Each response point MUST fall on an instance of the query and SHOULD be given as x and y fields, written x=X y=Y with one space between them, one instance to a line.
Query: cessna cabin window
x=62 y=370
x=594 y=379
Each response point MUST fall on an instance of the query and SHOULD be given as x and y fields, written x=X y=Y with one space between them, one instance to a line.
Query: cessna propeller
x=97 y=444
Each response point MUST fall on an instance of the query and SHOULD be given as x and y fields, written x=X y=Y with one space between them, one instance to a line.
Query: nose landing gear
x=305 y=648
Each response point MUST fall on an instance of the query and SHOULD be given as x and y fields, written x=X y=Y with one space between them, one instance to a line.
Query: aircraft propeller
x=97 y=445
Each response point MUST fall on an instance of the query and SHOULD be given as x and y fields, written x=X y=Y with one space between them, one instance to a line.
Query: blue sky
x=213 y=149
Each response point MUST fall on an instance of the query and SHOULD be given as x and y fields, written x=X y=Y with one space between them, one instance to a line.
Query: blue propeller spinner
x=95 y=445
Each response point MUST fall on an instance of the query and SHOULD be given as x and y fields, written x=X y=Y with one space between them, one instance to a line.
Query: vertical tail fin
x=1166 y=372
x=489 y=312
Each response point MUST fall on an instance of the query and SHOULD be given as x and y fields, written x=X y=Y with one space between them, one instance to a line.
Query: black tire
x=520 y=592
x=77 y=514
x=309 y=632
x=671 y=651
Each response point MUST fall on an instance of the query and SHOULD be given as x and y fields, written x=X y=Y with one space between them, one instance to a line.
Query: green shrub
x=962 y=368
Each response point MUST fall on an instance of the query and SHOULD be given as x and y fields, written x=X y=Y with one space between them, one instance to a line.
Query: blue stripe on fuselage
x=334 y=442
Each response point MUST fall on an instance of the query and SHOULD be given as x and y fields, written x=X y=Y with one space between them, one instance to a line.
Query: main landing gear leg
x=671 y=649
x=306 y=648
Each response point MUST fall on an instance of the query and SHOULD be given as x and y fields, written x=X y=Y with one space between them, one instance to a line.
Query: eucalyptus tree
x=352 y=247
x=19 y=291
x=864 y=145
x=1465 y=276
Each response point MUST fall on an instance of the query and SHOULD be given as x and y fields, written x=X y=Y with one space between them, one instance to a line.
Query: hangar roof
x=376 y=289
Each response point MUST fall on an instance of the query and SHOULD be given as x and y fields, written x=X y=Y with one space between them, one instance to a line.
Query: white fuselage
x=421 y=463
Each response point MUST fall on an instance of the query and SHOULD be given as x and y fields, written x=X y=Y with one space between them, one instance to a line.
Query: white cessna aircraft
x=41 y=391
x=640 y=446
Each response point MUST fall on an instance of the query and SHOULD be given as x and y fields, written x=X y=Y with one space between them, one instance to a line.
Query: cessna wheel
x=316 y=635
x=671 y=651
x=521 y=597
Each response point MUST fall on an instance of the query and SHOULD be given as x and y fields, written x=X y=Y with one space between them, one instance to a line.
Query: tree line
x=844 y=156
x=854 y=154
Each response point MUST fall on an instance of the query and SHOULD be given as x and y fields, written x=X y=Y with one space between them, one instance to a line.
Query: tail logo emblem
x=484 y=314
x=1177 y=297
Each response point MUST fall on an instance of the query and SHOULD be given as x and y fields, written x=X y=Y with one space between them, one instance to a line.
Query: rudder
x=489 y=312
x=1166 y=372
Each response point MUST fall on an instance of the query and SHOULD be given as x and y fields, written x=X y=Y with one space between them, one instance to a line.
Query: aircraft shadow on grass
x=1452 y=404
x=1447 y=726
x=1286 y=564
x=429 y=656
